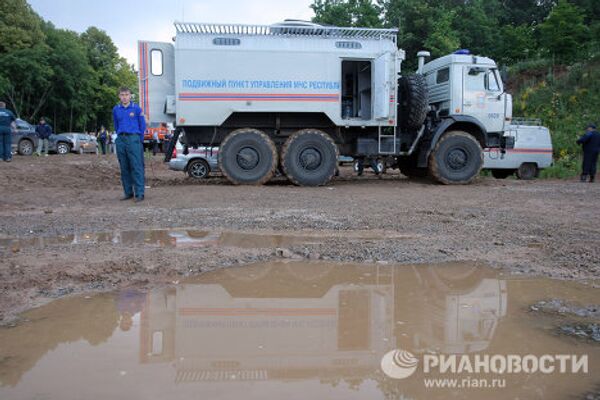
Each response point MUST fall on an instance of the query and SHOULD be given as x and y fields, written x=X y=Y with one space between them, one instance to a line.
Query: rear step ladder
x=384 y=148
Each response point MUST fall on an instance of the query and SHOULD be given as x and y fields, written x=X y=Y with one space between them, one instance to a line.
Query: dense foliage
x=506 y=30
x=72 y=79
x=550 y=48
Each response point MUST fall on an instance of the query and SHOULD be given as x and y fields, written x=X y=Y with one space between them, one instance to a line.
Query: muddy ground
x=539 y=227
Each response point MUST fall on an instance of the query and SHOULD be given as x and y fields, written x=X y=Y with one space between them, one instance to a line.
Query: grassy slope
x=565 y=98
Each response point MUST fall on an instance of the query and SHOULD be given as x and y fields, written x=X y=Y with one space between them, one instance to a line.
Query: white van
x=532 y=152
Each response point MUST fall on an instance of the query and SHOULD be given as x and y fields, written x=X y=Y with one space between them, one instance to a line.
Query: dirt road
x=73 y=229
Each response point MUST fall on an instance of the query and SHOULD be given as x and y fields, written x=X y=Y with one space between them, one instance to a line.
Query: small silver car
x=197 y=163
x=81 y=142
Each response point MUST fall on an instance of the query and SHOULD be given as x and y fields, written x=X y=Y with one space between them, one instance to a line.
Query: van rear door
x=156 y=62
x=382 y=86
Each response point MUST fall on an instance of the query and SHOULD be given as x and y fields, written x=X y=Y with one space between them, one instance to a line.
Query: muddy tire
x=309 y=158
x=456 y=159
x=527 y=171
x=502 y=173
x=412 y=101
x=25 y=147
x=198 y=169
x=248 y=157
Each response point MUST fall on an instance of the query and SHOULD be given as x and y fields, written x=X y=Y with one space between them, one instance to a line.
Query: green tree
x=443 y=39
x=361 y=13
x=27 y=79
x=71 y=92
x=478 y=26
x=109 y=72
x=564 y=34
x=525 y=12
x=24 y=70
x=413 y=18
x=516 y=44
x=20 y=27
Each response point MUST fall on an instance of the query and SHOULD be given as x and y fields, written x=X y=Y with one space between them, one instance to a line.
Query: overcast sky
x=127 y=21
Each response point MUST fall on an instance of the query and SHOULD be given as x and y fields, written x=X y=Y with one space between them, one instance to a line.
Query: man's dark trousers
x=590 y=161
x=5 y=145
x=130 y=154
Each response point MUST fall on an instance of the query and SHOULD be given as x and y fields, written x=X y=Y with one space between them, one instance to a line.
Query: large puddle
x=299 y=330
x=189 y=238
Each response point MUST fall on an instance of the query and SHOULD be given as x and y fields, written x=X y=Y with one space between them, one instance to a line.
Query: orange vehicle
x=162 y=128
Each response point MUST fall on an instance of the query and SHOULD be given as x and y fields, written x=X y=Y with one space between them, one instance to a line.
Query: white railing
x=526 y=121
x=284 y=29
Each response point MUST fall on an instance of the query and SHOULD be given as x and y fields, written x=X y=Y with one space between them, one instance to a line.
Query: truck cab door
x=382 y=86
x=483 y=97
x=156 y=62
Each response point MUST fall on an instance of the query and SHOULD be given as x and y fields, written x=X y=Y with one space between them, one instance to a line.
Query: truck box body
x=214 y=71
x=295 y=95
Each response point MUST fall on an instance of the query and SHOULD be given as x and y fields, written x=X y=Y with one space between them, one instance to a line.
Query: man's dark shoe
x=592 y=178
x=126 y=197
x=138 y=199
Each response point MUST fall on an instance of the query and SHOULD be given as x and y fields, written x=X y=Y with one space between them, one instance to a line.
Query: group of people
x=128 y=142
x=106 y=140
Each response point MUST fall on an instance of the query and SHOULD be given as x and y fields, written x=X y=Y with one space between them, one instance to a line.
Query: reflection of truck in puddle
x=301 y=320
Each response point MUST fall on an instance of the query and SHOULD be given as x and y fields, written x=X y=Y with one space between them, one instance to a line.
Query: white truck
x=295 y=95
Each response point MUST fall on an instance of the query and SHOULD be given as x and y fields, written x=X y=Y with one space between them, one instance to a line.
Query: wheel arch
x=463 y=123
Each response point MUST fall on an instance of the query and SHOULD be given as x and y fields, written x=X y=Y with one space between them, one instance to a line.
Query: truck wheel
x=456 y=159
x=309 y=158
x=380 y=167
x=412 y=101
x=358 y=167
x=248 y=157
x=527 y=171
x=25 y=147
x=198 y=169
x=502 y=173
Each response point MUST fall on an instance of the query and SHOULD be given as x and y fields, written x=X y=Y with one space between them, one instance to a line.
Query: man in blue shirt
x=130 y=126
x=7 y=119
x=591 y=147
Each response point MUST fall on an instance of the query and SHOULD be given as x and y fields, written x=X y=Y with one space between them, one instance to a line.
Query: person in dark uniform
x=7 y=119
x=103 y=139
x=130 y=126
x=591 y=147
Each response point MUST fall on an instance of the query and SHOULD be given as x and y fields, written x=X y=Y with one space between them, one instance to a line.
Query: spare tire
x=413 y=101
